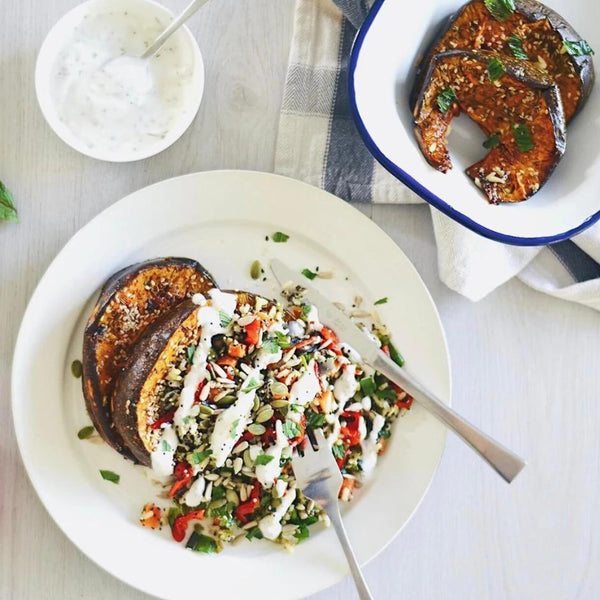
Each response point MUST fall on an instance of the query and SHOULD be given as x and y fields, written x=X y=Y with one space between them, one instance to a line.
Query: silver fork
x=319 y=478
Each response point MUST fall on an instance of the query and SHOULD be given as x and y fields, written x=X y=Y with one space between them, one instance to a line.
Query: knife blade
x=506 y=463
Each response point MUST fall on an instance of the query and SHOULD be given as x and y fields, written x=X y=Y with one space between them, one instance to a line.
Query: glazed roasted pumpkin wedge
x=129 y=301
x=531 y=33
x=516 y=105
x=148 y=390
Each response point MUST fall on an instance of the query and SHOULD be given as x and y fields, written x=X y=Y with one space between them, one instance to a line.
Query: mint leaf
x=8 y=212
x=263 y=459
x=445 y=99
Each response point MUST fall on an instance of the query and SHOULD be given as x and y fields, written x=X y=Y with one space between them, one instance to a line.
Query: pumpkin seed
x=256 y=403
x=232 y=497
x=278 y=389
x=206 y=410
x=264 y=414
x=225 y=400
x=256 y=429
x=77 y=368
x=280 y=403
x=217 y=503
x=248 y=459
x=255 y=269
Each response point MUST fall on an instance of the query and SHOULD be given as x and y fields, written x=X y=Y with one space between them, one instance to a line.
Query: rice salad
x=240 y=403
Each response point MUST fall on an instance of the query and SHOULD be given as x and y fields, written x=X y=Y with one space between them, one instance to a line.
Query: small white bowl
x=380 y=79
x=54 y=44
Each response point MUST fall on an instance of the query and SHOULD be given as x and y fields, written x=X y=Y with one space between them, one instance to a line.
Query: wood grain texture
x=525 y=366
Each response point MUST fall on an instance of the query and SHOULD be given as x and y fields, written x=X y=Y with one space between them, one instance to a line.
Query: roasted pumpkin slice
x=148 y=390
x=532 y=33
x=129 y=301
x=517 y=106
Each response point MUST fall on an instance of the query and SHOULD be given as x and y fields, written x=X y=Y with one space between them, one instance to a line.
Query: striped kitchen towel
x=319 y=143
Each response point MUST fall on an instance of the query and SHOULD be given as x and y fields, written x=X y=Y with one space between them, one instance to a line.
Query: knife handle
x=506 y=463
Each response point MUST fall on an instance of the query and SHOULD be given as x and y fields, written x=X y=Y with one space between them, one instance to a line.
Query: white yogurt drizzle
x=303 y=392
x=370 y=447
x=267 y=474
x=270 y=526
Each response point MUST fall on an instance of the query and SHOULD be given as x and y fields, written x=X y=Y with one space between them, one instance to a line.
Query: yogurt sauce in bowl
x=103 y=100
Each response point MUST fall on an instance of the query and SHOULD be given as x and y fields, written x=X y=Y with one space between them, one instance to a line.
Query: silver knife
x=506 y=463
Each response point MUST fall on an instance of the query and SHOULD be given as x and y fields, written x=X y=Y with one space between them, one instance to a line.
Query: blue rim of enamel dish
x=421 y=190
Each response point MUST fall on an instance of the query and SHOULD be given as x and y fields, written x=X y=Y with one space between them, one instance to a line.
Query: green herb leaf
x=495 y=69
x=492 y=141
x=263 y=459
x=271 y=346
x=254 y=533
x=306 y=308
x=523 y=137
x=445 y=99
x=308 y=274
x=515 y=43
x=85 y=432
x=283 y=340
x=385 y=433
x=381 y=301
x=77 y=368
x=252 y=384
x=198 y=457
x=302 y=532
x=165 y=446
x=280 y=237
x=367 y=386
x=290 y=429
x=172 y=514
x=339 y=450
x=579 y=48
x=394 y=354
x=314 y=420
x=500 y=9
x=110 y=476
x=191 y=350
x=224 y=318
x=8 y=212
x=201 y=543
x=255 y=269
x=233 y=429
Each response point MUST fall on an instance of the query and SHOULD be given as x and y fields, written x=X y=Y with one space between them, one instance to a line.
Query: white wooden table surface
x=525 y=366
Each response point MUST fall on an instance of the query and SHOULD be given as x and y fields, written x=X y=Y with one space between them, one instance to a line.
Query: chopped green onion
x=381 y=301
x=394 y=354
x=492 y=141
x=367 y=386
x=77 y=368
x=263 y=459
x=580 y=48
x=85 y=432
x=314 y=420
x=445 y=99
x=110 y=476
x=523 y=137
x=201 y=543
x=515 y=43
x=280 y=237
x=308 y=274
x=495 y=69
x=500 y=9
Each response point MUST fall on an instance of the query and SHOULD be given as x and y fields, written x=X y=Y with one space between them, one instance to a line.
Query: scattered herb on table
x=381 y=301
x=280 y=237
x=8 y=212
x=308 y=274
x=110 y=476
x=255 y=269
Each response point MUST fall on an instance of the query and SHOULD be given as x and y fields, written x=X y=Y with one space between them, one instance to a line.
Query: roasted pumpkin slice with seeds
x=526 y=30
x=129 y=301
x=516 y=105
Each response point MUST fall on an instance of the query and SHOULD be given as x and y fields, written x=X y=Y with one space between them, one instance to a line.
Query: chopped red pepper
x=237 y=350
x=245 y=509
x=329 y=334
x=166 y=418
x=253 y=332
x=227 y=361
x=198 y=390
x=183 y=473
x=180 y=524
x=350 y=433
x=295 y=441
x=341 y=461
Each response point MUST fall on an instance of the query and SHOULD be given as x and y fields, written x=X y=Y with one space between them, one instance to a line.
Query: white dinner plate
x=381 y=74
x=221 y=219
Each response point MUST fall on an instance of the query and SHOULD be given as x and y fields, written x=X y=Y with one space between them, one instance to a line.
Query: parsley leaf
x=339 y=450
x=251 y=384
x=523 y=137
x=367 y=386
x=500 y=9
x=198 y=457
x=290 y=429
x=233 y=428
x=110 y=476
x=224 y=318
x=271 y=346
x=314 y=420
x=166 y=447
x=381 y=301
x=515 y=43
x=8 y=212
x=280 y=237
x=445 y=99
x=308 y=274
x=282 y=340
x=263 y=459
x=492 y=141
x=580 y=48
x=191 y=350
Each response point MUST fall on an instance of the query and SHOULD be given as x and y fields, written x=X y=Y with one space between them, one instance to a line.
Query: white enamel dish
x=221 y=219
x=380 y=78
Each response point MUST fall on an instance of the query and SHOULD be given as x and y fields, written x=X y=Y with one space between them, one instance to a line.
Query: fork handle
x=506 y=463
x=333 y=513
